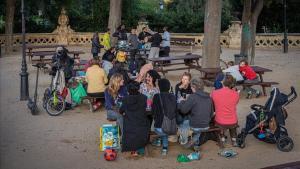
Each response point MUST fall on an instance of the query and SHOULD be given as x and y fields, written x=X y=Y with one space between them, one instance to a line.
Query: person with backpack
x=200 y=106
x=164 y=113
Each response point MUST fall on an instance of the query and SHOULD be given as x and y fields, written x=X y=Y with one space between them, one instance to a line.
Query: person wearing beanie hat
x=163 y=105
x=149 y=89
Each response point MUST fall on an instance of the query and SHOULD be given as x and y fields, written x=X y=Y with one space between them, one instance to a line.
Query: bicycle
x=53 y=101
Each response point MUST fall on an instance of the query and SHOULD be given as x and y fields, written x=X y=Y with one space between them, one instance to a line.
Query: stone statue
x=63 y=30
x=234 y=34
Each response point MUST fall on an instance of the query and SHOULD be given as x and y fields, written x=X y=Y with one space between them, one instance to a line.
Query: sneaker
x=249 y=95
x=234 y=142
x=258 y=93
x=164 y=151
x=156 y=142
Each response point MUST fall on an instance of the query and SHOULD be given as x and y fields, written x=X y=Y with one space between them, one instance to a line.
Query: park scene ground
x=71 y=140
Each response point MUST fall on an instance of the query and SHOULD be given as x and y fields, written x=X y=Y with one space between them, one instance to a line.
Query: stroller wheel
x=285 y=144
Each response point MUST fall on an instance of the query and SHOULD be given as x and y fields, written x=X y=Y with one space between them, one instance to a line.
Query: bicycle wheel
x=55 y=106
x=47 y=95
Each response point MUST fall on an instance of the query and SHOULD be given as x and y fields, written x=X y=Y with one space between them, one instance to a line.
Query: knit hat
x=164 y=85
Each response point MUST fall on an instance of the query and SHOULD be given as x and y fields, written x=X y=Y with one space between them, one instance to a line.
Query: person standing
x=133 y=43
x=155 y=44
x=166 y=41
x=96 y=46
x=106 y=39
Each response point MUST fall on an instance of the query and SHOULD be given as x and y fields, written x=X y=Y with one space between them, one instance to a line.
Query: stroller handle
x=292 y=96
x=257 y=107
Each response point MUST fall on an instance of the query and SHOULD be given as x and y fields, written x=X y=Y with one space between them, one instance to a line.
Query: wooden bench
x=90 y=101
x=262 y=84
x=160 y=67
x=35 y=48
x=184 y=41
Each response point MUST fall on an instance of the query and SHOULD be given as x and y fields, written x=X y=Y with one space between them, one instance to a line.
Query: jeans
x=197 y=134
x=250 y=89
x=183 y=130
x=112 y=115
x=163 y=136
x=154 y=52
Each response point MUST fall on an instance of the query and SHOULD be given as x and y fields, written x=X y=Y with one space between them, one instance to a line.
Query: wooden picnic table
x=158 y=63
x=43 y=54
x=211 y=73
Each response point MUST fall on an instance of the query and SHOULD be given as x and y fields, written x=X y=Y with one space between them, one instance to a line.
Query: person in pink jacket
x=225 y=101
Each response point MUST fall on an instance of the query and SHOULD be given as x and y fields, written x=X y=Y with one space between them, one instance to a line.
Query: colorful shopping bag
x=109 y=137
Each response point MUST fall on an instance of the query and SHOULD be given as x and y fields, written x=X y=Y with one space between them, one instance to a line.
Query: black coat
x=135 y=123
x=96 y=45
x=156 y=40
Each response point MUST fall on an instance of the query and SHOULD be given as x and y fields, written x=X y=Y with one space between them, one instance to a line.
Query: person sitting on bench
x=200 y=106
x=96 y=79
x=225 y=109
x=250 y=77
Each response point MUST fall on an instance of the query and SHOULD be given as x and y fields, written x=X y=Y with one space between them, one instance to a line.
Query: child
x=250 y=77
x=225 y=109
x=163 y=105
x=233 y=70
x=135 y=122
x=133 y=42
x=200 y=107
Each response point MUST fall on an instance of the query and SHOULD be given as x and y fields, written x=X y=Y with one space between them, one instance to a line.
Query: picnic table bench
x=31 y=48
x=193 y=62
x=209 y=74
x=42 y=55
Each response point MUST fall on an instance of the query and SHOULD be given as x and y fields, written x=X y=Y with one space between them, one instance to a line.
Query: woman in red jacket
x=250 y=77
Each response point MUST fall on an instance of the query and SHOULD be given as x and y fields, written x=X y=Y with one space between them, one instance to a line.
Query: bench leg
x=264 y=90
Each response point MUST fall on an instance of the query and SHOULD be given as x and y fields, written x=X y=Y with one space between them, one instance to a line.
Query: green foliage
x=178 y=15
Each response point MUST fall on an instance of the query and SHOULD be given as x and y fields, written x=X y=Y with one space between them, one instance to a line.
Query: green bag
x=77 y=93
x=181 y=158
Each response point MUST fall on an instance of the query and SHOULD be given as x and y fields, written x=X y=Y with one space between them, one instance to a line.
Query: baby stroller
x=267 y=122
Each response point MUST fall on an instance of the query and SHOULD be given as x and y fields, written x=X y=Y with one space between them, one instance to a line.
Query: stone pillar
x=63 y=30
x=234 y=34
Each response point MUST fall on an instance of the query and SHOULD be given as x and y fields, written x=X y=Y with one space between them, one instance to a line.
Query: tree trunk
x=212 y=30
x=9 y=22
x=115 y=11
x=251 y=11
x=245 y=37
x=257 y=9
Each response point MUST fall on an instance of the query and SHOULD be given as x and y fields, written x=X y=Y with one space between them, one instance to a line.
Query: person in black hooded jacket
x=164 y=104
x=135 y=121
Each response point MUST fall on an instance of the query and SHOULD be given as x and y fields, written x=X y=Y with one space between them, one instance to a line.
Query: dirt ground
x=71 y=139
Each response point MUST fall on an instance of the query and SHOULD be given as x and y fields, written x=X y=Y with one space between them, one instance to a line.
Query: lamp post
x=285 y=40
x=24 y=75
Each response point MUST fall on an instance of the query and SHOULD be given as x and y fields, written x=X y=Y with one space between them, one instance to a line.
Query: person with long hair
x=149 y=89
x=114 y=94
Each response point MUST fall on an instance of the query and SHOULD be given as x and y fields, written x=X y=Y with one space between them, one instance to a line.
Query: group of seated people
x=137 y=103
